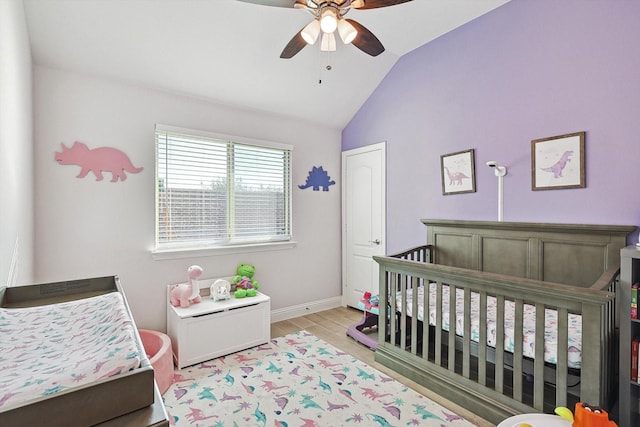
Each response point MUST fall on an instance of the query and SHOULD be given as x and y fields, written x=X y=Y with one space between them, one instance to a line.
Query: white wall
x=16 y=147
x=86 y=228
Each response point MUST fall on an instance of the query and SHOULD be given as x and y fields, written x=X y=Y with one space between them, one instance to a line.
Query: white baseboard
x=304 y=309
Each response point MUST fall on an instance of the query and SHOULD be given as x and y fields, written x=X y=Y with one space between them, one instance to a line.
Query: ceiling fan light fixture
x=347 y=31
x=328 y=15
x=311 y=32
x=328 y=43
x=329 y=20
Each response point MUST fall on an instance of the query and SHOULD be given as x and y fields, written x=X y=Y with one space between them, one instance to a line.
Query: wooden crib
x=540 y=270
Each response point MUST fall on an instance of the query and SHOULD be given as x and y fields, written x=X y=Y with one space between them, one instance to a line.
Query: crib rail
x=485 y=379
x=422 y=253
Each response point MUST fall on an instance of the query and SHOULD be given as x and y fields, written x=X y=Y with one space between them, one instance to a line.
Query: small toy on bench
x=219 y=291
x=245 y=285
x=184 y=294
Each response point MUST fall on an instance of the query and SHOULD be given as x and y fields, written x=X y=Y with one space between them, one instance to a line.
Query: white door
x=363 y=218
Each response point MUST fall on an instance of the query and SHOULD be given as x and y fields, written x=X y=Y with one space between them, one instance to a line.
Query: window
x=220 y=191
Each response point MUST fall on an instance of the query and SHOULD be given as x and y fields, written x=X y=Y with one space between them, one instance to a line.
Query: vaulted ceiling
x=227 y=51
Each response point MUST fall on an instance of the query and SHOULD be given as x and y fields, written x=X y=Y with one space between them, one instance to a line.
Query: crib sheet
x=51 y=348
x=529 y=323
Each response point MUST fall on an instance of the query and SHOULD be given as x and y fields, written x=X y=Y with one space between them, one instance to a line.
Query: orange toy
x=591 y=416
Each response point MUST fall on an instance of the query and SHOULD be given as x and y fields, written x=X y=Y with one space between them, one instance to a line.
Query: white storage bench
x=211 y=329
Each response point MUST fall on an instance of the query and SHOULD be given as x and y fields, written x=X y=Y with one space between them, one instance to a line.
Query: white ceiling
x=227 y=51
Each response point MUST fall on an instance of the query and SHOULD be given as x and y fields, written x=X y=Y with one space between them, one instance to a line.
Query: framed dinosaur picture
x=458 y=172
x=558 y=162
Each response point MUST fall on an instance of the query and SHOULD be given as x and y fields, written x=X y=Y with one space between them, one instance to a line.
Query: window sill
x=164 y=254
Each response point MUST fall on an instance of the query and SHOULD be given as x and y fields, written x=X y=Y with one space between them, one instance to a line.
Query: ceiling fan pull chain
x=319 y=67
x=327 y=67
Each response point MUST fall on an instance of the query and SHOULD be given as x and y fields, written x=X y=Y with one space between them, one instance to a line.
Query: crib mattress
x=529 y=323
x=48 y=349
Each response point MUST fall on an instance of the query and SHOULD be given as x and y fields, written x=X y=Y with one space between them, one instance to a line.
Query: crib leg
x=355 y=331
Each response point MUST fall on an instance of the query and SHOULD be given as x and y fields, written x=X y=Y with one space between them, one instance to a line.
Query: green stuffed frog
x=245 y=285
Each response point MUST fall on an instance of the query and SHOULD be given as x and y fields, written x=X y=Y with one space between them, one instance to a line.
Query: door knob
x=377 y=241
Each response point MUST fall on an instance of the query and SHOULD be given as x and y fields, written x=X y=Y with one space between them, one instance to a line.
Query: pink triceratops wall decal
x=97 y=160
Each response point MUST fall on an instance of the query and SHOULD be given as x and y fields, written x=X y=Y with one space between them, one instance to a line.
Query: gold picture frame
x=458 y=172
x=557 y=162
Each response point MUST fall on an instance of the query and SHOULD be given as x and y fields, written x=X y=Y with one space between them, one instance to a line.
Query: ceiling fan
x=329 y=17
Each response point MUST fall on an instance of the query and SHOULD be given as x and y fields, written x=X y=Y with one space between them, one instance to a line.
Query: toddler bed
x=70 y=354
x=552 y=284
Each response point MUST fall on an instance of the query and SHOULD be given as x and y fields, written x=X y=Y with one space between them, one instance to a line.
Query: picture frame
x=458 y=172
x=558 y=162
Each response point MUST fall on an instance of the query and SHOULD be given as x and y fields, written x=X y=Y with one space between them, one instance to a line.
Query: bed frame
x=127 y=399
x=567 y=267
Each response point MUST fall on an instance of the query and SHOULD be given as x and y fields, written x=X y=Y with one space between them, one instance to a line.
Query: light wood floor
x=331 y=326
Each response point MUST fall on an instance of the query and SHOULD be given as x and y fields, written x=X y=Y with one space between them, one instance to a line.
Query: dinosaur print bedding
x=529 y=323
x=52 y=348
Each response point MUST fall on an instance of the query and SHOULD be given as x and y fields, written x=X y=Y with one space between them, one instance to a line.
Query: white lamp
x=328 y=43
x=311 y=31
x=329 y=20
x=347 y=31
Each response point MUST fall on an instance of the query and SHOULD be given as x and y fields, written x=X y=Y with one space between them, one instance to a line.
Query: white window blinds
x=213 y=191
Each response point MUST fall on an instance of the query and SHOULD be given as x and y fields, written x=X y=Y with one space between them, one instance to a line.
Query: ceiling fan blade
x=282 y=3
x=374 y=4
x=366 y=41
x=295 y=45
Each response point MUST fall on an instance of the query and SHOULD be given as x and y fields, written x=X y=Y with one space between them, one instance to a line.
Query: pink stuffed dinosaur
x=184 y=294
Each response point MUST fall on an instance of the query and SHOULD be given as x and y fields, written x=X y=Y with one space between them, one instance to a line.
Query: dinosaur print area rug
x=296 y=380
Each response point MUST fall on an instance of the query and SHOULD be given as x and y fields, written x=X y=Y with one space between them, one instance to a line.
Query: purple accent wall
x=527 y=70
